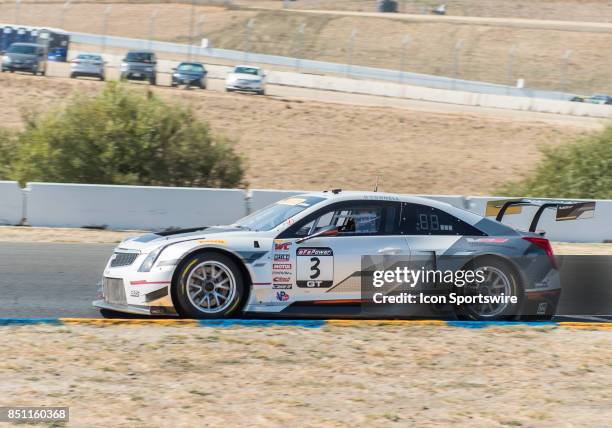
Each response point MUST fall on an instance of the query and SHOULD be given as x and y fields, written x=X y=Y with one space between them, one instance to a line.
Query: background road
x=62 y=70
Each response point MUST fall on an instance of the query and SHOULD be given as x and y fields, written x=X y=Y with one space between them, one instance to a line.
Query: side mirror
x=325 y=231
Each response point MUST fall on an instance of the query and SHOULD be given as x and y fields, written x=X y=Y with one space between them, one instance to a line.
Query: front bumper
x=134 y=309
x=137 y=75
x=20 y=67
x=245 y=87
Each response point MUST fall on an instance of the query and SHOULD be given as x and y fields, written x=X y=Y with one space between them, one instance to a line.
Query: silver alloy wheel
x=211 y=287
x=496 y=283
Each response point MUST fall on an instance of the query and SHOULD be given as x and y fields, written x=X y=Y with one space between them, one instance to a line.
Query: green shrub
x=124 y=137
x=8 y=148
x=579 y=170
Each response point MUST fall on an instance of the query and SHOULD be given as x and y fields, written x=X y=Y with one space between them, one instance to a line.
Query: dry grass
x=293 y=144
x=389 y=375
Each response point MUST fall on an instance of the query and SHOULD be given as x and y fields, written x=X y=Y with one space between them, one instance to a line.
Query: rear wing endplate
x=566 y=210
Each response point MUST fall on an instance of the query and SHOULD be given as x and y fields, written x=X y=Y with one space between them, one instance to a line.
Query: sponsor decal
x=282 y=246
x=281 y=266
x=541 y=310
x=212 y=241
x=290 y=221
x=281 y=257
x=281 y=296
x=315 y=267
x=315 y=252
x=488 y=240
x=281 y=286
x=291 y=201
x=134 y=293
x=282 y=272
x=281 y=279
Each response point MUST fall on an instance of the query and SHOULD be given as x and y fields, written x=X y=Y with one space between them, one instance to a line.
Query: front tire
x=500 y=278
x=209 y=285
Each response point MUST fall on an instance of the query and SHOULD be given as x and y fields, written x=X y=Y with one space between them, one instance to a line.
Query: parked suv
x=139 y=65
x=25 y=57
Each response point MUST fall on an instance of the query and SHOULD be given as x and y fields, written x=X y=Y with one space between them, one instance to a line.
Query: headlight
x=124 y=66
x=7 y=60
x=150 y=260
x=149 y=69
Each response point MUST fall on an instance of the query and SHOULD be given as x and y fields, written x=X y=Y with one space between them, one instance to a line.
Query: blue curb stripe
x=224 y=323
x=484 y=324
x=29 y=321
x=262 y=323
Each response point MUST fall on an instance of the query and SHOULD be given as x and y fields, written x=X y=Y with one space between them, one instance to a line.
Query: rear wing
x=566 y=210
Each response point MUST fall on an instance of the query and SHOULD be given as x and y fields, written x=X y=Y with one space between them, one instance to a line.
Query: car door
x=328 y=268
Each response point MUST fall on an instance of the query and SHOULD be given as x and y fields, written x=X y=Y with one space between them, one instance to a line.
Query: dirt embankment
x=292 y=143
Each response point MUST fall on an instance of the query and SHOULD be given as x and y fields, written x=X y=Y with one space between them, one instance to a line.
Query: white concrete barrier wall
x=131 y=207
x=11 y=203
x=596 y=229
x=154 y=208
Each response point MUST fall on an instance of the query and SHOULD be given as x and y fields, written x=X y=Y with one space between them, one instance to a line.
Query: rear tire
x=209 y=285
x=73 y=76
x=500 y=278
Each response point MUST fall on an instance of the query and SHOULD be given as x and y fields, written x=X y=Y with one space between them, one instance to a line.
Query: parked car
x=247 y=79
x=87 y=65
x=139 y=65
x=189 y=74
x=593 y=99
x=28 y=57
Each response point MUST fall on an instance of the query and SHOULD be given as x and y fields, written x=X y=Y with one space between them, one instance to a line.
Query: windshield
x=247 y=70
x=139 y=57
x=191 y=68
x=23 y=49
x=271 y=216
x=89 y=57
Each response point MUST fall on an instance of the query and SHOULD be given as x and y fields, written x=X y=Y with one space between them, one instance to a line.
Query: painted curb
x=228 y=323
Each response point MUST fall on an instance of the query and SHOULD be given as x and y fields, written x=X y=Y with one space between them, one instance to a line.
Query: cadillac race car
x=309 y=256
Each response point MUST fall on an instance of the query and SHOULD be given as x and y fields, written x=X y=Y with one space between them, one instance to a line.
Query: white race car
x=246 y=78
x=303 y=256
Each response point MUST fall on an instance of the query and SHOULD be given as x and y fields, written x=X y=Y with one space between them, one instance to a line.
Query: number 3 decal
x=315 y=267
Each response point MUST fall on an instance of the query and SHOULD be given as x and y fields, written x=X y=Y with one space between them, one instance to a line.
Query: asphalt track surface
x=53 y=280
x=50 y=279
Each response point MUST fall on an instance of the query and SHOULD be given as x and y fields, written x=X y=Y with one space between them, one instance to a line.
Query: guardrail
x=355 y=71
x=155 y=208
